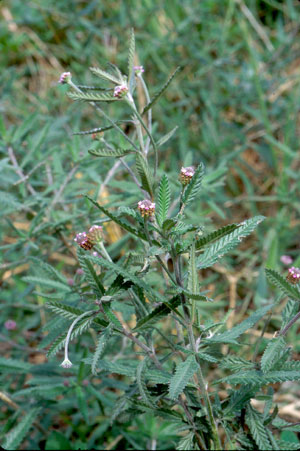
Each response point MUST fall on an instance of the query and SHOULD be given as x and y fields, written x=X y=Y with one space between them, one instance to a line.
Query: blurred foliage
x=236 y=105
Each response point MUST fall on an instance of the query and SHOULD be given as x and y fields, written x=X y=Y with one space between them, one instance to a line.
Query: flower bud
x=293 y=275
x=146 y=208
x=10 y=324
x=83 y=241
x=186 y=175
x=95 y=234
x=65 y=78
x=66 y=363
x=138 y=70
x=286 y=259
x=120 y=91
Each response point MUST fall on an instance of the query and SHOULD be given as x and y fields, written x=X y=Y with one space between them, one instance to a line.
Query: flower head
x=146 y=208
x=293 y=275
x=70 y=282
x=10 y=324
x=66 y=363
x=186 y=174
x=96 y=254
x=138 y=70
x=83 y=241
x=79 y=271
x=95 y=234
x=286 y=259
x=120 y=91
x=65 y=78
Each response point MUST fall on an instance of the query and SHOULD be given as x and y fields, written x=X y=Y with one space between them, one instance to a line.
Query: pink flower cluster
x=293 y=275
x=146 y=208
x=186 y=175
x=120 y=91
x=65 y=77
x=138 y=70
x=88 y=240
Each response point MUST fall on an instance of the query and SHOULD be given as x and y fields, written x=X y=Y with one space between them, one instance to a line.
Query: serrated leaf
x=111 y=316
x=105 y=152
x=289 y=290
x=290 y=310
x=239 y=329
x=105 y=75
x=100 y=348
x=213 y=236
x=193 y=187
x=98 y=130
x=118 y=221
x=272 y=353
x=283 y=444
x=131 y=53
x=159 y=312
x=164 y=199
x=216 y=251
x=166 y=137
x=14 y=366
x=161 y=91
x=183 y=373
x=235 y=363
x=140 y=378
x=186 y=442
x=254 y=420
x=91 y=96
x=144 y=173
x=66 y=311
x=193 y=282
x=15 y=437
x=47 y=283
x=90 y=274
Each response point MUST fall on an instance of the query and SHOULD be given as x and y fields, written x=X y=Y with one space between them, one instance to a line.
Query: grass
x=236 y=105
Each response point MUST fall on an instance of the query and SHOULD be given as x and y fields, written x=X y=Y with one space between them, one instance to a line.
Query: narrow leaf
x=159 y=312
x=160 y=92
x=140 y=378
x=193 y=187
x=101 y=345
x=144 y=173
x=272 y=353
x=183 y=373
x=164 y=199
x=254 y=420
x=90 y=274
x=105 y=152
x=287 y=289
x=225 y=244
x=15 y=437
x=92 y=96
x=213 y=236
x=131 y=53
x=105 y=75
x=166 y=137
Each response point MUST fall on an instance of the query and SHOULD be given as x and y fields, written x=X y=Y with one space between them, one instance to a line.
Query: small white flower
x=66 y=363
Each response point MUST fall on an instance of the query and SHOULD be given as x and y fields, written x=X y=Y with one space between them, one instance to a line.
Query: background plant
x=59 y=209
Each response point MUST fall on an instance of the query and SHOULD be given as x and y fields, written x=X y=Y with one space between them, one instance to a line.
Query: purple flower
x=146 y=207
x=95 y=234
x=186 y=174
x=120 y=91
x=286 y=260
x=293 y=275
x=138 y=70
x=79 y=272
x=83 y=241
x=96 y=254
x=70 y=282
x=65 y=78
x=85 y=382
x=10 y=324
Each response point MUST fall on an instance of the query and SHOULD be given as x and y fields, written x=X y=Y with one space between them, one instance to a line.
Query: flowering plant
x=153 y=302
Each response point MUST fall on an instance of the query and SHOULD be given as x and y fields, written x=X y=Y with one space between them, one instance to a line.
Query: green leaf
x=105 y=75
x=140 y=377
x=97 y=130
x=47 y=283
x=160 y=92
x=183 y=373
x=111 y=316
x=14 y=366
x=193 y=187
x=213 y=236
x=290 y=310
x=235 y=363
x=15 y=437
x=166 y=137
x=131 y=54
x=272 y=353
x=186 y=442
x=144 y=173
x=164 y=199
x=127 y=276
x=287 y=289
x=105 y=152
x=239 y=329
x=214 y=252
x=66 y=311
x=89 y=273
x=283 y=444
x=159 y=312
x=193 y=282
x=57 y=440
x=92 y=96
x=101 y=345
x=254 y=420
x=118 y=221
